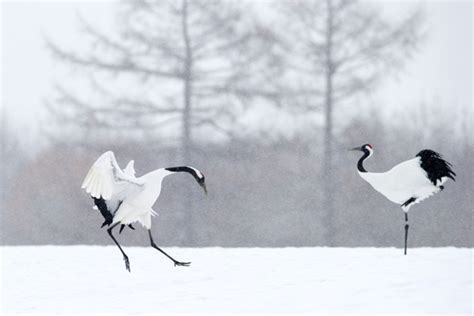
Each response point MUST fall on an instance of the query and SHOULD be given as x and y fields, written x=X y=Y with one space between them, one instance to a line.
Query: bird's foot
x=127 y=263
x=182 y=264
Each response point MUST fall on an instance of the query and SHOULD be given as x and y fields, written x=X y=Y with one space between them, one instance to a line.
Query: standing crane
x=124 y=199
x=409 y=182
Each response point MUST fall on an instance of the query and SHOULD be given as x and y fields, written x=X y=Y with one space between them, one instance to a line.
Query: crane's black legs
x=405 y=207
x=125 y=258
x=176 y=263
x=406 y=231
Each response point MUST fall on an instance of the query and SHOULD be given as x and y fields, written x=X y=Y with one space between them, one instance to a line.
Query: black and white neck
x=192 y=171
x=368 y=151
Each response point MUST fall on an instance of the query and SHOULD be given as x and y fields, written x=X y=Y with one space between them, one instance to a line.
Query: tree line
x=171 y=84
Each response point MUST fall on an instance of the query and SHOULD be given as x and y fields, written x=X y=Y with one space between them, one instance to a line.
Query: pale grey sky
x=441 y=72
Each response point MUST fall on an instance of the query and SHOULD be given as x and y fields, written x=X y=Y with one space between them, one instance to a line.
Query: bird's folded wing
x=408 y=175
x=105 y=177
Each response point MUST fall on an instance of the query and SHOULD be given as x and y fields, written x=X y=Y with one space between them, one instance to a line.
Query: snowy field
x=53 y=279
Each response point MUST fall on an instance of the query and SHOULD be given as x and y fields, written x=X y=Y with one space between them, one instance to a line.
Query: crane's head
x=198 y=175
x=366 y=148
x=202 y=182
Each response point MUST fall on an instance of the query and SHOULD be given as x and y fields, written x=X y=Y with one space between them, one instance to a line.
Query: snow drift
x=53 y=279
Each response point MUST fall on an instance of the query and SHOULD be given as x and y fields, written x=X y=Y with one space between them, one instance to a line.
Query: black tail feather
x=102 y=206
x=435 y=166
x=109 y=218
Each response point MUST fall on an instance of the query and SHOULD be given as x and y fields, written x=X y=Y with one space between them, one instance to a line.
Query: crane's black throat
x=360 y=163
x=194 y=172
x=198 y=176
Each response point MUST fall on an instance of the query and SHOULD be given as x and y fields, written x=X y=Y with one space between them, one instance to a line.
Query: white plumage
x=409 y=182
x=122 y=198
x=105 y=178
x=130 y=168
x=402 y=182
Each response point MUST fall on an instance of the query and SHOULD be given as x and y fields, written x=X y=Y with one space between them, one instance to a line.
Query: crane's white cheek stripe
x=199 y=174
x=371 y=151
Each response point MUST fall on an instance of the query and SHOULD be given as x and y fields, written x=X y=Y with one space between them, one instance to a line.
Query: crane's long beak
x=203 y=186
x=355 y=149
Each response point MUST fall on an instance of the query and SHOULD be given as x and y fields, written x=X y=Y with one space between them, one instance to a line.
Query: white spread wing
x=129 y=169
x=105 y=179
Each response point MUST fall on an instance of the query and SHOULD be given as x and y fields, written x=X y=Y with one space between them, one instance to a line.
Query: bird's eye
x=369 y=145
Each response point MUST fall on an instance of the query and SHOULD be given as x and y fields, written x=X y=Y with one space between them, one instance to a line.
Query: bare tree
x=335 y=50
x=172 y=62
x=172 y=66
x=13 y=157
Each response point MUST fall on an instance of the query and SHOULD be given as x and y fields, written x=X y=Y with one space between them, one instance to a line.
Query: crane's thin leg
x=125 y=258
x=176 y=263
x=406 y=231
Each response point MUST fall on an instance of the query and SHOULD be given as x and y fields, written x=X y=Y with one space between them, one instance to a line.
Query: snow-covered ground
x=50 y=279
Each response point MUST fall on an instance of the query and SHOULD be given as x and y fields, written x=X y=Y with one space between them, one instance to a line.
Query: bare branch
x=126 y=65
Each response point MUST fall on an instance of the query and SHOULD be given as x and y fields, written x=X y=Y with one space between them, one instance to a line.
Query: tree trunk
x=3 y=155
x=187 y=89
x=327 y=167
x=186 y=140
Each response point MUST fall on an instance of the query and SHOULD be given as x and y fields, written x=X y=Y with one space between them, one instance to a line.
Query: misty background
x=263 y=97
